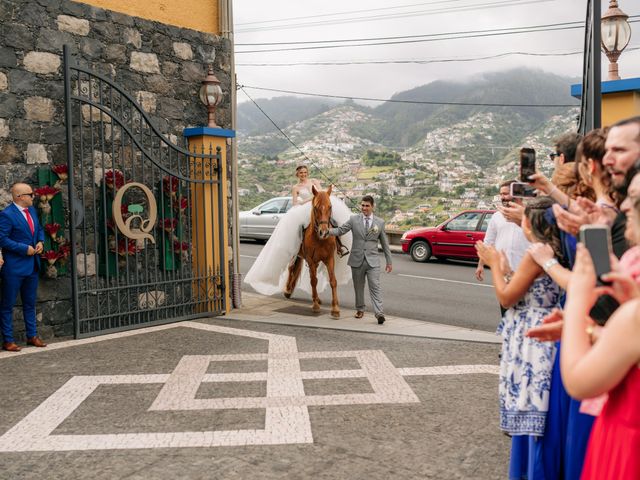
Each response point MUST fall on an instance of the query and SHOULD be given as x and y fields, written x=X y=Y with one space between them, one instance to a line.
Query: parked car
x=454 y=238
x=259 y=222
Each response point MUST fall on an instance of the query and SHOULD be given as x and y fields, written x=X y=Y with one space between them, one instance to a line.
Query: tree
x=491 y=191
x=373 y=158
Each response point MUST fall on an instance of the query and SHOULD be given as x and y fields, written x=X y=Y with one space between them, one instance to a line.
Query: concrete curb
x=264 y=309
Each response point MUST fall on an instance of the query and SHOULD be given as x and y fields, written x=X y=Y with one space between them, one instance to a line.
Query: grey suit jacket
x=365 y=244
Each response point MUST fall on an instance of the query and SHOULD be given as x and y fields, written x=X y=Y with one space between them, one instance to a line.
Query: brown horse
x=317 y=246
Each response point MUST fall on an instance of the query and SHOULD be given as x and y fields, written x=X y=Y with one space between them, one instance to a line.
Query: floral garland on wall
x=57 y=248
x=173 y=205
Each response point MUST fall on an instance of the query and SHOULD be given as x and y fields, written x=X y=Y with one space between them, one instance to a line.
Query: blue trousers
x=28 y=288
x=526 y=462
x=566 y=433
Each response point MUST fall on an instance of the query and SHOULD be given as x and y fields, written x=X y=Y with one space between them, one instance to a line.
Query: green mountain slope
x=446 y=156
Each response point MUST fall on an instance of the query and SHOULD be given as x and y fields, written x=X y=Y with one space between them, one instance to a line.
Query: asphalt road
x=440 y=292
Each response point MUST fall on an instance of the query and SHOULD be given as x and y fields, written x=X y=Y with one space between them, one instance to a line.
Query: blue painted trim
x=612 y=86
x=212 y=132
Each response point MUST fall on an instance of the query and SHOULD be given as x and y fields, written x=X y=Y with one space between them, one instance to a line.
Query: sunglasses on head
x=552 y=156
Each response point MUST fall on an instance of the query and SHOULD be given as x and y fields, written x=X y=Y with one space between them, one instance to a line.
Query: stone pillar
x=210 y=225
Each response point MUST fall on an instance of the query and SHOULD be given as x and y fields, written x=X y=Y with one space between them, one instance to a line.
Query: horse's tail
x=295 y=267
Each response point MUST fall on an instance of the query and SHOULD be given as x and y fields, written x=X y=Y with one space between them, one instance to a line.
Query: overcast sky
x=259 y=22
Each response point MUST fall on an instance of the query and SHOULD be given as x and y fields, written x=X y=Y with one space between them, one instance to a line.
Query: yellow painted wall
x=207 y=220
x=618 y=106
x=201 y=15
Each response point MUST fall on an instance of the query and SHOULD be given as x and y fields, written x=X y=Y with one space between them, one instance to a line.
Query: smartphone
x=522 y=190
x=597 y=239
x=527 y=163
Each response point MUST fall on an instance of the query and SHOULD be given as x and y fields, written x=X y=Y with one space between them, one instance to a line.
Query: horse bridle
x=317 y=223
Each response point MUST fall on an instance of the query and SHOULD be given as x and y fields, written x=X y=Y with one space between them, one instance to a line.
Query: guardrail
x=394 y=236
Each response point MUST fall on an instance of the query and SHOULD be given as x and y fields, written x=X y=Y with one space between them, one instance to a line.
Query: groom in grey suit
x=364 y=261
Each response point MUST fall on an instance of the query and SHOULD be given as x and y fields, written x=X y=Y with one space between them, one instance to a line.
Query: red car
x=454 y=238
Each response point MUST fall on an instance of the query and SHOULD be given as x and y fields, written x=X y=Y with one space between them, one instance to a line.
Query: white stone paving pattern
x=286 y=404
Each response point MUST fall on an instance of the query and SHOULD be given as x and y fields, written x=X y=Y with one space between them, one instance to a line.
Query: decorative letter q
x=145 y=225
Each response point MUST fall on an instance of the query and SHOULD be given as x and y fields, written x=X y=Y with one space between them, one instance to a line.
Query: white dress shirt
x=24 y=215
x=507 y=237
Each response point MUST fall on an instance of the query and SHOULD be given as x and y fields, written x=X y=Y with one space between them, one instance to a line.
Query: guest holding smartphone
x=610 y=365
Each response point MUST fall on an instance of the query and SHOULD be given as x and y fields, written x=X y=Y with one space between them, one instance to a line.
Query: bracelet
x=549 y=263
x=552 y=190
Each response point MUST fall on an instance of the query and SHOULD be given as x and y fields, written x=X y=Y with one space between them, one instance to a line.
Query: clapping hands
x=512 y=212
x=583 y=212
x=623 y=286
x=551 y=328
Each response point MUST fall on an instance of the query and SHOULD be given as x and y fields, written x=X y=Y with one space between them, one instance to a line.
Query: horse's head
x=321 y=211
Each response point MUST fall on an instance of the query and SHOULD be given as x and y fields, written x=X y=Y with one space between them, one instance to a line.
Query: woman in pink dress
x=610 y=365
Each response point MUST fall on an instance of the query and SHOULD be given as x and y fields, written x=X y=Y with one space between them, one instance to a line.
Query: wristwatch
x=549 y=263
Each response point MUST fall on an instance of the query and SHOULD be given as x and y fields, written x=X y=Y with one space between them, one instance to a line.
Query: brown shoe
x=11 y=347
x=36 y=342
x=359 y=314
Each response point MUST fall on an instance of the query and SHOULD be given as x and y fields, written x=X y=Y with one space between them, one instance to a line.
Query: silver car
x=259 y=222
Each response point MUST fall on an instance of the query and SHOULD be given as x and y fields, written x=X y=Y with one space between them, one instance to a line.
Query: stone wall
x=159 y=65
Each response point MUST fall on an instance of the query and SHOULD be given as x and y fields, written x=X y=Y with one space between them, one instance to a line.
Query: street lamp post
x=211 y=95
x=616 y=34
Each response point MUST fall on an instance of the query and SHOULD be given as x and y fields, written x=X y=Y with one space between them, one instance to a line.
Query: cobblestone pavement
x=230 y=399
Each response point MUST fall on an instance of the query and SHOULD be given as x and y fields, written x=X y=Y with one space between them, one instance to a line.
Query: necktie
x=367 y=225
x=29 y=220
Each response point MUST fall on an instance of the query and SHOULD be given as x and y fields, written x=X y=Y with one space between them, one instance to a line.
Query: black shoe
x=380 y=319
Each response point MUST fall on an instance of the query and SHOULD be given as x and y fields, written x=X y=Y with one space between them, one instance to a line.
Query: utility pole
x=596 y=57
x=592 y=89
x=226 y=28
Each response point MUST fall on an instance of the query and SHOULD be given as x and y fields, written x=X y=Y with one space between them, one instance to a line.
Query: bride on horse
x=268 y=274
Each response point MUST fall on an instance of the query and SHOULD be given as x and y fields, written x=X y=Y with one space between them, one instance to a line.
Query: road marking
x=445 y=280
x=248 y=256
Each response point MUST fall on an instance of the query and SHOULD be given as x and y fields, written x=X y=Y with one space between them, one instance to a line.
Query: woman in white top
x=301 y=191
x=268 y=274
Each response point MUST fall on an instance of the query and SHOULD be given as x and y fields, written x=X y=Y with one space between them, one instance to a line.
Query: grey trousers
x=372 y=277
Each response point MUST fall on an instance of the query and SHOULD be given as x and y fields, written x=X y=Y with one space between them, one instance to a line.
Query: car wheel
x=420 y=251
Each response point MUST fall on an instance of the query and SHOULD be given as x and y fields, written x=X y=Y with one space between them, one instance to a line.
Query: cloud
x=383 y=80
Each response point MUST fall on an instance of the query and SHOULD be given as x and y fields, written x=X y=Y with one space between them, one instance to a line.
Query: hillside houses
x=438 y=175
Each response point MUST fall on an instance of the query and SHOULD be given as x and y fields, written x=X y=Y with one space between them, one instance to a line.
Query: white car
x=259 y=222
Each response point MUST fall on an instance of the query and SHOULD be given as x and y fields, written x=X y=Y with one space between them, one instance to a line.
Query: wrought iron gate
x=145 y=215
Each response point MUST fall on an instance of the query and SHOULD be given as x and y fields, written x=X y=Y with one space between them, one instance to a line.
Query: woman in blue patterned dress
x=525 y=366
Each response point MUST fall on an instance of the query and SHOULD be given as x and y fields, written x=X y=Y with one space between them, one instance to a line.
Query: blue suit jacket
x=15 y=239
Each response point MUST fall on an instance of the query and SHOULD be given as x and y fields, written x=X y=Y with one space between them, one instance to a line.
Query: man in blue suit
x=22 y=242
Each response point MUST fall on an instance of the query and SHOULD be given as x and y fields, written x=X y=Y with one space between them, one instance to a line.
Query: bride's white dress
x=268 y=274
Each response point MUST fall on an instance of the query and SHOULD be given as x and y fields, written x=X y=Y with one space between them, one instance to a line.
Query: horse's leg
x=335 y=307
x=313 y=273
x=295 y=268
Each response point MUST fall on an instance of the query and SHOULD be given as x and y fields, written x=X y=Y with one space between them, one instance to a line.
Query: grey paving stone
x=449 y=432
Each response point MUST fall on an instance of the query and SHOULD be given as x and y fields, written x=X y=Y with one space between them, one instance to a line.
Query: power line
x=349 y=12
x=426 y=37
x=414 y=102
x=422 y=40
x=462 y=8
x=331 y=182
x=425 y=61
x=415 y=61
x=403 y=37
